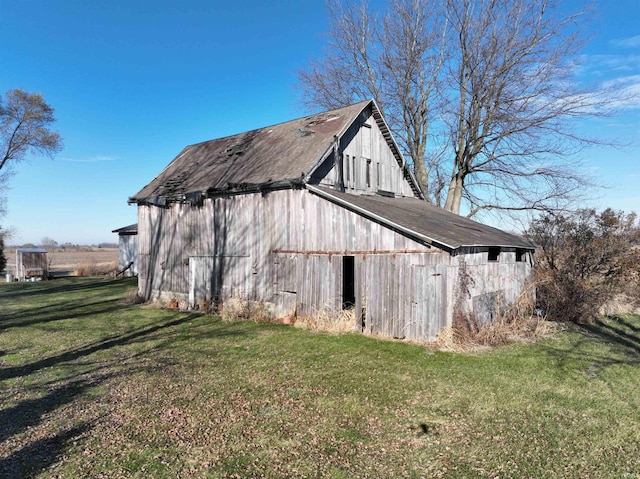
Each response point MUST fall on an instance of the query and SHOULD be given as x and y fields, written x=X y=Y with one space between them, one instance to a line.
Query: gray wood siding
x=368 y=164
x=286 y=248
x=495 y=284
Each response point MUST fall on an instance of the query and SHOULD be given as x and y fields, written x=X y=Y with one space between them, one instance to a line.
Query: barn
x=320 y=213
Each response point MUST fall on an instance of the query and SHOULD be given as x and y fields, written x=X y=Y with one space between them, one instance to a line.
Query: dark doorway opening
x=348 y=282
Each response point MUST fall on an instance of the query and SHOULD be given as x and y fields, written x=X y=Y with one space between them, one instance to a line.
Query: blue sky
x=133 y=82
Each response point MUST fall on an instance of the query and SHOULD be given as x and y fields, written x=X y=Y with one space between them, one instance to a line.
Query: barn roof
x=287 y=154
x=127 y=230
x=281 y=155
x=424 y=221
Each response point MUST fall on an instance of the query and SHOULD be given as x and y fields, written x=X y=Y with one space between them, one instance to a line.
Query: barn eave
x=197 y=196
x=424 y=222
x=424 y=239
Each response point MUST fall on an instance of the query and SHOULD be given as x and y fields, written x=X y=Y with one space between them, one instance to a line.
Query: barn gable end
x=369 y=161
x=231 y=218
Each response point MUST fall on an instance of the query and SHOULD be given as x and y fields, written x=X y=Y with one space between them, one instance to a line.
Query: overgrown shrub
x=464 y=323
x=584 y=260
x=516 y=322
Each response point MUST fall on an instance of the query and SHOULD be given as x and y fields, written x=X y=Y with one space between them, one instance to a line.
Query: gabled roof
x=31 y=250
x=282 y=155
x=127 y=230
x=424 y=221
x=287 y=154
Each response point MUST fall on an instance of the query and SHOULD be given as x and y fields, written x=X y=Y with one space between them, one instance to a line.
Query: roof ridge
x=297 y=119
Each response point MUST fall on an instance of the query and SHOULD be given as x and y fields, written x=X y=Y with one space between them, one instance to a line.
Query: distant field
x=67 y=261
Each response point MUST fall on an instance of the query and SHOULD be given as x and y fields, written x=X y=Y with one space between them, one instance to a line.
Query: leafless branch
x=475 y=91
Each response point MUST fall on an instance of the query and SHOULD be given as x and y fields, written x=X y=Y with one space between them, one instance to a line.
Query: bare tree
x=395 y=58
x=48 y=242
x=25 y=119
x=508 y=120
x=480 y=94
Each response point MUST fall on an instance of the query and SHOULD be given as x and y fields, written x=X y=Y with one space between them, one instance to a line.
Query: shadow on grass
x=129 y=337
x=613 y=340
x=40 y=454
x=62 y=285
x=621 y=334
x=29 y=413
x=30 y=440
x=27 y=416
x=59 y=300
x=56 y=312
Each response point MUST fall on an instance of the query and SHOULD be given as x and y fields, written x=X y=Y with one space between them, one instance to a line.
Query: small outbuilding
x=31 y=264
x=320 y=213
x=127 y=250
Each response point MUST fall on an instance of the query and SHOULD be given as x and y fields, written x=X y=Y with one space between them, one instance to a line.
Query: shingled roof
x=282 y=154
x=424 y=221
x=287 y=154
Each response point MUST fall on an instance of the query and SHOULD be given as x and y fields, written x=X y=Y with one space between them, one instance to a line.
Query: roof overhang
x=380 y=219
x=405 y=218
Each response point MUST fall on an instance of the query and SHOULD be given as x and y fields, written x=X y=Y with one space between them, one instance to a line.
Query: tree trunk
x=454 y=195
x=422 y=177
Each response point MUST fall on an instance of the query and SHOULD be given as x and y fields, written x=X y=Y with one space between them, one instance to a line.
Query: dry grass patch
x=133 y=297
x=91 y=267
x=322 y=320
x=517 y=322
x=240 y=308
x=83 y=261
x=328 y=321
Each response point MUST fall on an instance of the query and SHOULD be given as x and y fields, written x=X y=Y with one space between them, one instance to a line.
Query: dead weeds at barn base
x=499 y=333
x=513 y=326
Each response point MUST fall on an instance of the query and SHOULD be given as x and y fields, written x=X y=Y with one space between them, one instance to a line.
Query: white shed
x=127 y=250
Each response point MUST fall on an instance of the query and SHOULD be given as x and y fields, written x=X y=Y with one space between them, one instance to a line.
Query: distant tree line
x=49 y=243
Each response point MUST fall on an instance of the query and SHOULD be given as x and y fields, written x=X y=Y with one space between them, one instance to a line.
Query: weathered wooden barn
x=320 y=213
x=127 y=250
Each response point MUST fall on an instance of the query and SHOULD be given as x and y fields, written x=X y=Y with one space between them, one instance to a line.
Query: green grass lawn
x=94 y=387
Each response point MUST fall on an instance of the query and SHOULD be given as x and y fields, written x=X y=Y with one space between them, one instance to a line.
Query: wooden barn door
x=201 y=281
x=428 y=301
